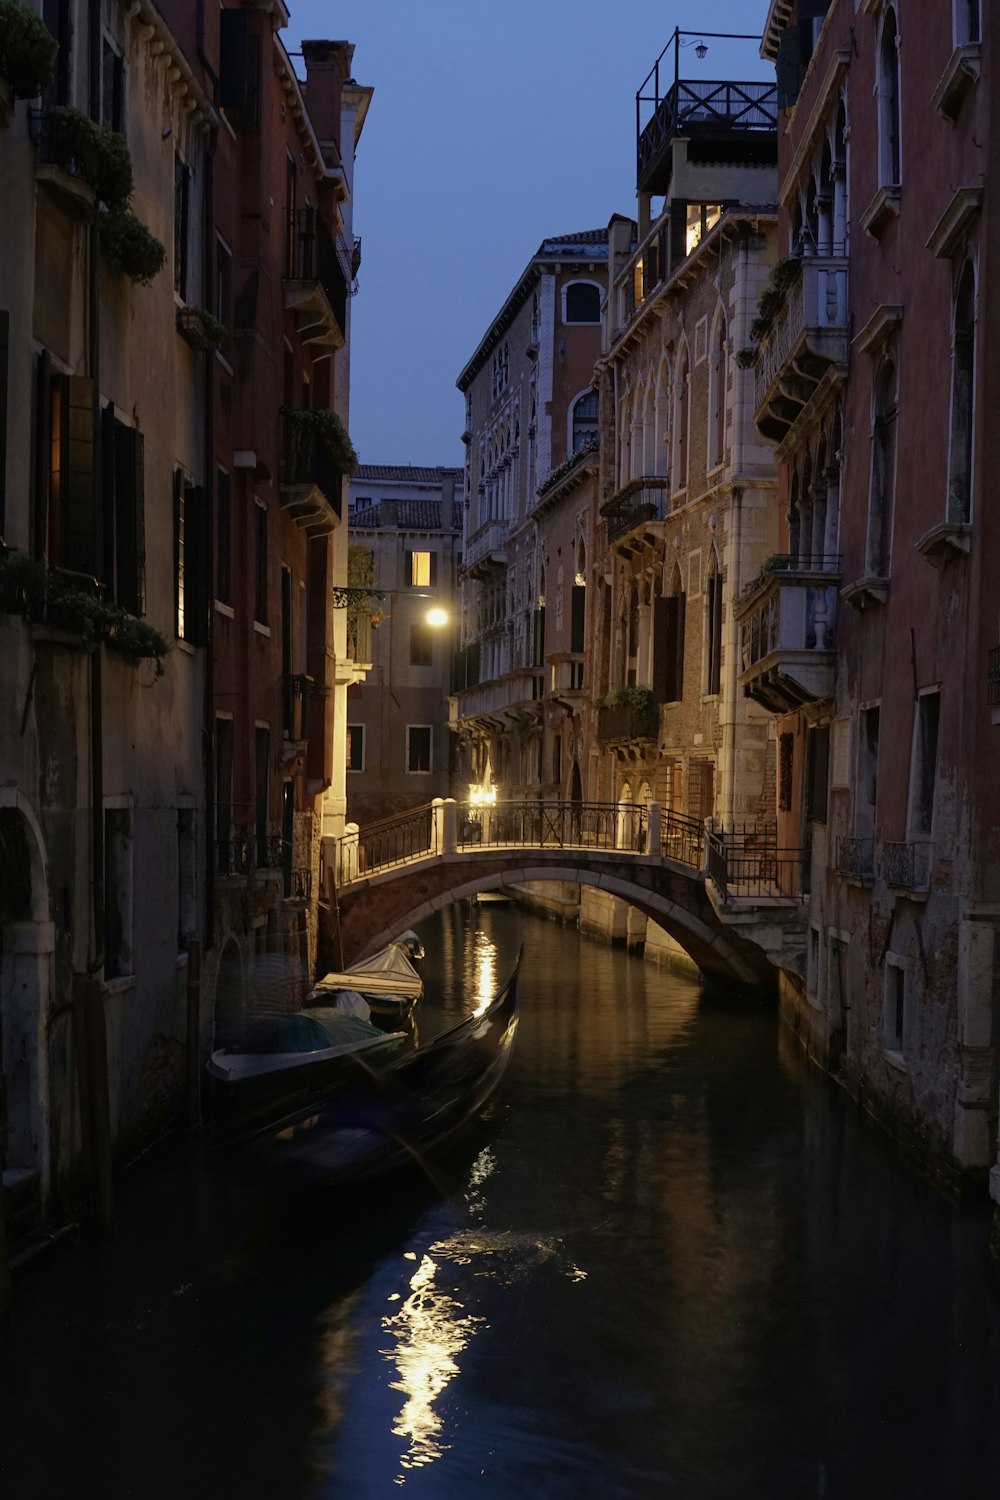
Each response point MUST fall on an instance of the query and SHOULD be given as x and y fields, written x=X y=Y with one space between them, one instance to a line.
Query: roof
x=404 y=473
x=407 y=515
x=587 y=244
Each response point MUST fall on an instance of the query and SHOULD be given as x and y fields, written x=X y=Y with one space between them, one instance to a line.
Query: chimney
x=328 y=66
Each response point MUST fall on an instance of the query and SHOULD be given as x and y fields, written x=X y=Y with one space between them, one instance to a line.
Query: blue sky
x=493 y=126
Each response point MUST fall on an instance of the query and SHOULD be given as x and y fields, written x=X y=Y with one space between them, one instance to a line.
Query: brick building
x=870 y=638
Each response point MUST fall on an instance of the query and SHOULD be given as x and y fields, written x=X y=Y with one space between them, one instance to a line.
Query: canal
x=671 y=1262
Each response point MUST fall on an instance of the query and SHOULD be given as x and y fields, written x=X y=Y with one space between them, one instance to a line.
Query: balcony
x=787 y=620
x=567 y=476
x=511 y=701
x=634 y=514
x=566 y=674
x=856 y=859
x=807 y=344
x=310 y=482
x=633 y=717
x=315 y=281
x=359 y=638
x=487 y=549
x=906 y=866
x=737 y=121
x=296 y=690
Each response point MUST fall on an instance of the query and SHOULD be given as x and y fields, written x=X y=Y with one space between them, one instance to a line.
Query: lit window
x=422 y=569
x=701 y=217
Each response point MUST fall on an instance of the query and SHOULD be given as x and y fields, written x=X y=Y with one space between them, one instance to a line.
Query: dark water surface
x=672 y=1262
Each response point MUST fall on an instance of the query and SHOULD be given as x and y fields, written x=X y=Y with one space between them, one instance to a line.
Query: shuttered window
x=578 y=616
x=668 y=648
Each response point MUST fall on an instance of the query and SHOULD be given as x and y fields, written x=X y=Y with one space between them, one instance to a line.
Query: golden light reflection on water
x=484 y=972
x=432 y=1328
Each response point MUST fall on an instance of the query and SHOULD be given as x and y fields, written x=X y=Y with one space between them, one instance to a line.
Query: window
x=701 y=217
x=883 y=471
x=867 y=788
x=888 y=103
x=122 y=483
x=681 y=415
x=223 y=538
x=65 y=470
x=713 y=628
x=57 y=17
x=112 y=88
x=967 y=22
x=421 y=644
x=223 y=794
x=813 y=965
x=187 y=866
x=585 y=428
x=421 y=569
x=894 y=1007
x=118 y=899
x=923 y=764
x=223 y=281
x=578 y=615
x=262 y=781
x=668 y=644
x=963 y=363
x=817 y=773
x=717 y=397
x=355 y=747
x=260 y=563
x=786 y=762
x=701 y=789
x=191 y=579
x=583 y=303
x=418 y=748
x=182 y=194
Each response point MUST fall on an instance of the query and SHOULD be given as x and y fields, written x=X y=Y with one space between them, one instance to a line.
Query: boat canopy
x=388 y=972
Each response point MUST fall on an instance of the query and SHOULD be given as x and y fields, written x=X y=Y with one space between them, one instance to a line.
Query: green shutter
x=130 y=522
x=79 y=479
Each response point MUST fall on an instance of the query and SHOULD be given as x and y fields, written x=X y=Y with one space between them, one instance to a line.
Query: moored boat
x=399 y=1115
x=387 y=980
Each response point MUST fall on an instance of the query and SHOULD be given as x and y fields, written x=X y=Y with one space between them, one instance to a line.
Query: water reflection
x=484 y=971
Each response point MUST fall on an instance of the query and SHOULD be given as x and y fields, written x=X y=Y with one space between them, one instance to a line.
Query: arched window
x=681 y=423
x=668 y=642
x=583 y=303
x=888 y=103
x=713 y=625
x=636 y=469
x=662 y=417
x=585 y=410
x=963 y=364
x=632 y=646
x=883 y=469
x=649 y=432
x=717 y=396
x=794 y=526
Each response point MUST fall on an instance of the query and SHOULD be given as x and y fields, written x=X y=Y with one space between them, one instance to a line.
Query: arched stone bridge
x=730 y=902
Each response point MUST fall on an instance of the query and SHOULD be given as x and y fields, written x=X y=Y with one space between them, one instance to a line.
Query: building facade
x=173 y=326
x=872 y=637
x=531 y=438
x=405 y=526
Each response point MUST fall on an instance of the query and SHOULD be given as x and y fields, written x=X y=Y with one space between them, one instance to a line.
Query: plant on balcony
x=130 y=248
x=28 y=588
x=27 y=49
x=745 y=357
x=97 y=155
x=641 y=704
x=327 y=428
x=785 y=272
x=783 y=275
x=200 y=328
x=590 y=445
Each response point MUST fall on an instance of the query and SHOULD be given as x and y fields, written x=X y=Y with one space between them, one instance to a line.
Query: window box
x=130 y=248
x=27 y=50
x=74 y=144
x=199 y=328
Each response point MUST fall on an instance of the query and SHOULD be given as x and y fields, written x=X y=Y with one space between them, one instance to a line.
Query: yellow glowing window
x=420 y=570
x=701 y=217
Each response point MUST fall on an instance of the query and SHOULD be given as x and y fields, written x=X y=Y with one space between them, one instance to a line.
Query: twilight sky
x=492 y=128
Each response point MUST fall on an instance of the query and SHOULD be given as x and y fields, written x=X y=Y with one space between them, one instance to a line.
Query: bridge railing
x=682 y=838
x=747 y=863
x=561 y=825
x=380 y=846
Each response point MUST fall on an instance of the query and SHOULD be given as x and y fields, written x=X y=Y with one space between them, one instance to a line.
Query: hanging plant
x=27 y=49
x=130 y=248
x=745 y=357
x=97 y=155
x=200 y=328
x=785 y=272
x=327 y=428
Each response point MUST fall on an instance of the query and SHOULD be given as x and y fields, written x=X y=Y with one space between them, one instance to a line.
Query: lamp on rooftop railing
x=362 y=600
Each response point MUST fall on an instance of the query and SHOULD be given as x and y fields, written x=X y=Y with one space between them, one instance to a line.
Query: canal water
x=672 y=1261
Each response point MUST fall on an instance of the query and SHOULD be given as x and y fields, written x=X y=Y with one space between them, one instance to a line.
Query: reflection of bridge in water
x=730 y=897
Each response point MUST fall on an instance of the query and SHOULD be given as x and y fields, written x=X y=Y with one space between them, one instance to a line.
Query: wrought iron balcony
x=316 y=283
x=311 y=484
x=617 y=722
x=906 y=865
x=360 y=637
x=808 y=337
x=787 y=620
x=737 y=118
x=856 y=858
x=630 y=511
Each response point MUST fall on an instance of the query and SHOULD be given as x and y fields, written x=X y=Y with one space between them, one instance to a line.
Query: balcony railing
x=240 y=852
x=489 y=541
x=856 y=857
x=627 y=721
x=905 y=865
x=787 y=619
x=360 y=641
x=747 y=864
x=682 y=838
x=993 y=676
x=635 y=504
x=311 y=259
x=311 y=483
x=695 y=107
x=811 y=320
x=516 y=690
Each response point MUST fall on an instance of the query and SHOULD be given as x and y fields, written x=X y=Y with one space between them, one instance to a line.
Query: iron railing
x=697 y=107
x=905 y=865
x=241 y=852
x=392 y=841
x=856 y=857
x=306 y=461
x=993 y=676
x=311 y=255
x=682 y=838
x=561 y=825
x=748 y=864
x=640 y=500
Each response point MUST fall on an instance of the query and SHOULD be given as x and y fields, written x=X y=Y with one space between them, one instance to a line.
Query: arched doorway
x=27 y=940
x=230 y=997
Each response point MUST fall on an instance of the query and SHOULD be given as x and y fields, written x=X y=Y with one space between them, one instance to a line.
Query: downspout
x=736 y=543
x=96 y=961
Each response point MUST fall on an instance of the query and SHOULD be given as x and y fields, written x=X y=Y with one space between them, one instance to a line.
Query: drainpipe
x=208 y=729
x=736 y=536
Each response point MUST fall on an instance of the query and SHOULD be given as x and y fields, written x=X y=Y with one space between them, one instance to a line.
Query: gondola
x=408 y=1110
x=388 y=981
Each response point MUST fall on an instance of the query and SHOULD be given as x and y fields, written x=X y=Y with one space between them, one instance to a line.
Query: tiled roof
x=585 y=237
x=406 y=515
x=404 y=473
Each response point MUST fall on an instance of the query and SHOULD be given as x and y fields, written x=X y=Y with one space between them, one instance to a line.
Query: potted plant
x=130 y=248
x=97 y=155
x=325 y=427
x=27 y=49
x=200 y=328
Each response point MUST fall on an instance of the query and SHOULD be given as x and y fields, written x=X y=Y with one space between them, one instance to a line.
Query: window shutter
x=4 y=340
x=578 y=616
x=788 y=67
x=408 y=568
x=434 y=569
x=179 y=559
x=663 y=612
x=819 y=764
x=234 y=60
x=79 y=478
x=678 y=230
x=43 y=416
x=129 y=519
x=196 y=537
x=539 y=637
